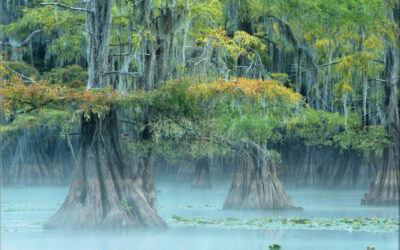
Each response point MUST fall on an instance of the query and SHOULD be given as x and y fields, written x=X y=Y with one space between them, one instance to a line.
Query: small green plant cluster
x=274 y=247
x=124 y=204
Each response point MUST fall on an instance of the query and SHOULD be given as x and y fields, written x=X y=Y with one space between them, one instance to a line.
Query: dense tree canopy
x=205 y=79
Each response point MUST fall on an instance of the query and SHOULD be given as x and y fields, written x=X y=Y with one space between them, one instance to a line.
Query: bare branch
x=28 y=110
x=24 y=42
x=21 y=75
x=266 y=39
x=129 y=122
x=16 y=44
x=121 y=54
x=68 y=7
x=327 y=64
x=378 y=80
x=134 y=74
x=118 y=44
x=379 y=61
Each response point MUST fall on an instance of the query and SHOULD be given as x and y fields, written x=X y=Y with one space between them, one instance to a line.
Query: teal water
x=24 y=210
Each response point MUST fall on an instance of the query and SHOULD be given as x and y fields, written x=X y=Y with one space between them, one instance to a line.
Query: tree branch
x=327 y=64
x=16 y=44
x=21 y=75
x=28 y=110
x=68 y=7
x=266 y=39
x=122 y=54
x=134 y=74
x=378 y=80
x=336 y=62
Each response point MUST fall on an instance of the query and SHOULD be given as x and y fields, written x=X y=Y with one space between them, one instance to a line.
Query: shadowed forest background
x=269 y=114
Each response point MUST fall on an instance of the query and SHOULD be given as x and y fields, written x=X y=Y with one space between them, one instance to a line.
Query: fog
x=24 y=210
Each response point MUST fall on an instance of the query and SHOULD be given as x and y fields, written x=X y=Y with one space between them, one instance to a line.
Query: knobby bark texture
x=255 y=184
x=105 y=193
x=202 y=173
x=99 y=26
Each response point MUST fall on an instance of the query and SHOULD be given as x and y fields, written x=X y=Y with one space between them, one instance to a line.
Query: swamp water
x=330 y=219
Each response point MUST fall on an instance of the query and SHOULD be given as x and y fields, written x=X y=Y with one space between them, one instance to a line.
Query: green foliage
x=274 y=247
x=73 y=76
x=373 y=224
x=125 y=206
x=320 y=128
x=370 y=141
x=64 y=25
x=20 y=68
x=39 y=118
x=350 y=36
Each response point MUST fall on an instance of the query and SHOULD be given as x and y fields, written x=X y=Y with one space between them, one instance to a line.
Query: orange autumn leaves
x=17 y=96
x=253 y=88
x=20 y=97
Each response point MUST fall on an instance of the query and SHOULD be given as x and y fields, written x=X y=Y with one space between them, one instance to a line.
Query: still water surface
x=24 y=210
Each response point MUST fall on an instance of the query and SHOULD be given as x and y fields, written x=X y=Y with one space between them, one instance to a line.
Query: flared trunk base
x=255 y=184
x=104 y=193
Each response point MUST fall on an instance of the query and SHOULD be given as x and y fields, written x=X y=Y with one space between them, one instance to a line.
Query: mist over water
x=24 y=210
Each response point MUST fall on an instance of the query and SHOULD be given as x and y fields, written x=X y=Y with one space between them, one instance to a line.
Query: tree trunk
x=104 y=192
x=145 y=178
x=202 y=173
x=99 y=26
x=386 y=188
x=309 y=166
x=367 y=172
x=254 y=183
x=184 y=170
x=39 y=160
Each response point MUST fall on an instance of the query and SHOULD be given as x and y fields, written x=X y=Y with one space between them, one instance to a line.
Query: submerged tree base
x=255 y=184
x=202 y=174
x=104 y=192
x=39 y=160
x=385 y=190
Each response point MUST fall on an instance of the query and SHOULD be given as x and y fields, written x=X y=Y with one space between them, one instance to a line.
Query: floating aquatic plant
x=373 y=224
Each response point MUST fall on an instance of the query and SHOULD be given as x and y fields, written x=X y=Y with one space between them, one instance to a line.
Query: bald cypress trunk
x=202 y=173
x=39 y=159
x=105 y=193
x=184 y=170
x=386 y=188
x=254 y=183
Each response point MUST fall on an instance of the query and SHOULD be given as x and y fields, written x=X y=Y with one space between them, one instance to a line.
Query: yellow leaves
x=248 y=88
x=240 y=44
x=322 y=43
x=346 y=88
x=275 y=26
x=372 y=42
x=342 y=88
x=136 y=39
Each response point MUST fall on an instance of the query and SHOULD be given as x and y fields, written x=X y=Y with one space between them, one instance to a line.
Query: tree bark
x=39 y=160
x=104 y=193
x=386 y=188
x=202 y=173
x=254 y=183
x=99 y=26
